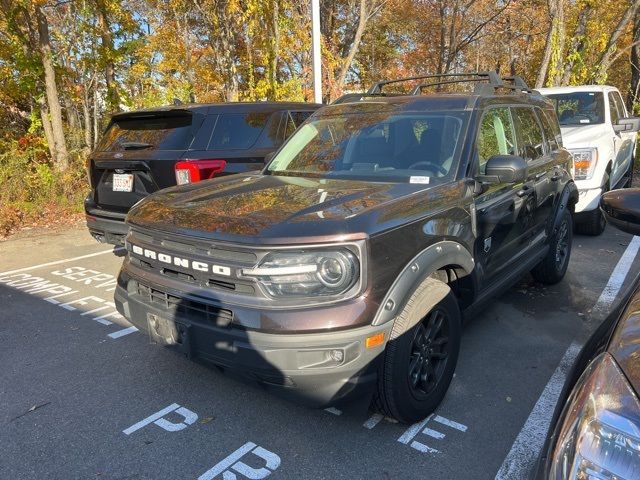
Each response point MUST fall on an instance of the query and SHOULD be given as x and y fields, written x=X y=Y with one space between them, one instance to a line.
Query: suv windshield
x=416 y=148
x=579 y=108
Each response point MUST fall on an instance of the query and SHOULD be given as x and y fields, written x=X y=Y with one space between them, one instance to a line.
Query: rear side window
x=148 y=133
x=552 y=135
x=238 y=131
x=496 y=136
x=530 y=139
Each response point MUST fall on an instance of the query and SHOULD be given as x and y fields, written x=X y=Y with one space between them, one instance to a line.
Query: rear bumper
x=315 y=369
x=104 y=225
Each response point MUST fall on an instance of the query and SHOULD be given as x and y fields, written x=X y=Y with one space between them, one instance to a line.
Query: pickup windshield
x=579 y=108
x=407 y=147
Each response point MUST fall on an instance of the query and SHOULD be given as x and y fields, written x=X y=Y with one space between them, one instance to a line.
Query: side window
x=495 y=135
x=616 y=100
x=530 y=140
x=613 y=109
x=549 y=132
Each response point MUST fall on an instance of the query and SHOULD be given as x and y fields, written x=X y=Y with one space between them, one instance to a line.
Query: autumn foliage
x=65 y=65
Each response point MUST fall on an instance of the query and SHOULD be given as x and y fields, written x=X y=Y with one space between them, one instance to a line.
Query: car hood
x=625 y=341
x=582 y=136
x=258 y=208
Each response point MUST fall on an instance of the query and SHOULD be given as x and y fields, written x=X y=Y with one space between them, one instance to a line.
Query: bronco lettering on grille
x=181 y=262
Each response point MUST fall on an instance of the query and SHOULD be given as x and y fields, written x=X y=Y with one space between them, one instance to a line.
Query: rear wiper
x=135 y=145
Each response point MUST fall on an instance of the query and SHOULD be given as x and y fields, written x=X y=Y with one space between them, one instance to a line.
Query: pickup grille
x=194 y=310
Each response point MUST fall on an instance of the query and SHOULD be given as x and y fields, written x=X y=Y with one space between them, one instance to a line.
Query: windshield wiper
x=135 y=145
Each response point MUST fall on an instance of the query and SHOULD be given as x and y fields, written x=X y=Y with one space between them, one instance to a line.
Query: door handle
x=540 y=175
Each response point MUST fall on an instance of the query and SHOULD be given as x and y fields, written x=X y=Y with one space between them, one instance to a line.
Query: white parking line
x=123 y=332
x=413 y=430
x=530 y=440
x=373 y=421
x=618 y=276
x=57 y=262
x=450 y=423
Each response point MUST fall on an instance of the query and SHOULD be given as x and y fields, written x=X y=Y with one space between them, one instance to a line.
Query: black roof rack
x=349 y=97
x=487 y=82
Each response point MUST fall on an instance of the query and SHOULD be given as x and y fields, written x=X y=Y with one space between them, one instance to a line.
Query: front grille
x=191 y=309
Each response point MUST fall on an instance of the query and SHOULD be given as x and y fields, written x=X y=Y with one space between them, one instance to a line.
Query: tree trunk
x=96 y=117
x=606 y=59
x=554 y=7
x=46 y=126
x=557 y=52
x=634 y=89
x=86 y=114
x=61 y=158
x=577 y=43
x=113 y=96
x=355 y=44
x=274 y=46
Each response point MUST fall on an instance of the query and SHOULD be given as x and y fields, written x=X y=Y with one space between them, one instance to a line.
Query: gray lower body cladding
x=315 y=369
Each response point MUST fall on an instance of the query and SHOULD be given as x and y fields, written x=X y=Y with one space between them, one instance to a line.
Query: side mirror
x=504 y=169
x=622 y=209
x=268 y=157
x=629 y=124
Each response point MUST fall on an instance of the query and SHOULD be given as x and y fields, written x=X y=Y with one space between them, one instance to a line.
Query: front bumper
x=315 y=369
x=589 y=199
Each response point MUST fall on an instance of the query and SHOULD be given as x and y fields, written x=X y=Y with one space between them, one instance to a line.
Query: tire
x=593 y=222
x=554 y=265
x=402 y=391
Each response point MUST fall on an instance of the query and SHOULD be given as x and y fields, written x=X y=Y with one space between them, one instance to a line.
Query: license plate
x=122 y=182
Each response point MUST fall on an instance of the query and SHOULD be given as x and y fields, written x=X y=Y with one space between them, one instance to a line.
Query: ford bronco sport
x=345 y=266
x=146 y=150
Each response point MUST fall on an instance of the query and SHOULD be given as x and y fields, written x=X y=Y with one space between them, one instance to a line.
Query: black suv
x=347 y=264
x=144 y=151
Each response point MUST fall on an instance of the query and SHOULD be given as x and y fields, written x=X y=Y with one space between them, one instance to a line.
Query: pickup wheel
x=419 y=361
x=554 y=265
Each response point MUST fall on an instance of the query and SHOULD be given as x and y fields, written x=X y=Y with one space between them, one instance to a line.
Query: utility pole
x=315 y=54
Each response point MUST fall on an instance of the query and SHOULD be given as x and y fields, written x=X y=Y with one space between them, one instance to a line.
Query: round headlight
x=335 y=271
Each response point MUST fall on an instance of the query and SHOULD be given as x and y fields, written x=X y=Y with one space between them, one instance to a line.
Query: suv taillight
x=191 y=171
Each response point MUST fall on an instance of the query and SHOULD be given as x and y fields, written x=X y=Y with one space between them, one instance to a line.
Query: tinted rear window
x=148 y=133
x=236 y=131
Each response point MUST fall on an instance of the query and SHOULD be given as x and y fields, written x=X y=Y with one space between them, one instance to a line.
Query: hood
x=625 y=341
x=255 y=208
x=582 y=136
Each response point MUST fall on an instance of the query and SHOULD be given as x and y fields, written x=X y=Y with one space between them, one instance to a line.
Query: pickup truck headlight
x=584 y=162
x=307 y=273
x=600 y=433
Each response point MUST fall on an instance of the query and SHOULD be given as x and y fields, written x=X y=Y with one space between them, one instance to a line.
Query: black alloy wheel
x=562 y=244
x=429 y=353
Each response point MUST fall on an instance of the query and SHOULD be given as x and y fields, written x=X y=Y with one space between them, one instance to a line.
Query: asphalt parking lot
x=84 y=395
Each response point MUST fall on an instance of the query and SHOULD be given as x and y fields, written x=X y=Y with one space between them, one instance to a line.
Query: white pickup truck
x=600 y=134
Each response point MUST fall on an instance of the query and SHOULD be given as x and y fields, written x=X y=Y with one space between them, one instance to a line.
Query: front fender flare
x=418 y=270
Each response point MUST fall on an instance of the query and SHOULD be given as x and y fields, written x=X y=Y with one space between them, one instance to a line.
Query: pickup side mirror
x=629 y=124
x=622 y=209
x=504 y=169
